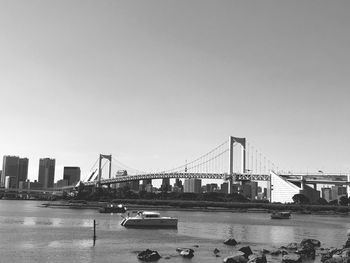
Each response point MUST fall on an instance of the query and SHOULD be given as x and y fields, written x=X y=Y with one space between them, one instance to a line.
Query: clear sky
x=158 y=82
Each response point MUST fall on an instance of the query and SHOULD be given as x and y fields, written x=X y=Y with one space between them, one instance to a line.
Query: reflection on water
x=280 y=234
x=77 y=244
x=65 y=235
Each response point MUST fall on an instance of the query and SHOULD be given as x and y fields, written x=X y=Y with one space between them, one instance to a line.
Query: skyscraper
x=192 y=185
x=166 y=184
x=14 y=170
x=22 y=170
x=71 y=174
x=46 y=172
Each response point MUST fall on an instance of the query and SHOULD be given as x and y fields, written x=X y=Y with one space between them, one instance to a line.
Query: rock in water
x=230 y=242
x=148 y=255
x=237 y=257
x=292 y=246
x=307 y=251
x=314 y=242
x=291 y=258
x=257 y=258
x=347 y=244
x=186 y=252
x=246 y=250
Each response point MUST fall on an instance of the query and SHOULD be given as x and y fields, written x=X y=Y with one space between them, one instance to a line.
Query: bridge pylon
x=109 y=158
x=242 y=142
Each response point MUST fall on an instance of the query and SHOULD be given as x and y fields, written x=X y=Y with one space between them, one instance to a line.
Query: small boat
x=145 y=219
x=280 y=215
x=113 y=208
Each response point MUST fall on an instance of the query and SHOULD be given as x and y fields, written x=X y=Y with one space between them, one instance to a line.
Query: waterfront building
x=149 y=188
x=338 y=191
x=14 y=170
x=254 y=190
x=224 y=188
x=62 y=183
x=250 y=190
x=166 y=185
x=22 y=170
x=211 y=188
x=123 y=184
x=283 y=190
x=71 y=174
x=192 y=185
x=146 y=185
x=246 y=190
x=326 y=193
x=35 y=185
x=46 y=172
x=134 y=185
x=236 y=188
x=178 y=187
x=265 y=193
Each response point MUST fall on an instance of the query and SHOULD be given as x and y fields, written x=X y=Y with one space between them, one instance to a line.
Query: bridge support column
x=242 y=142
x=109 y=158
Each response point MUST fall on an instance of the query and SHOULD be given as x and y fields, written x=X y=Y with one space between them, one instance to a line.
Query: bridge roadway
x=334 y=179
x=306 y=178
x=220 y=176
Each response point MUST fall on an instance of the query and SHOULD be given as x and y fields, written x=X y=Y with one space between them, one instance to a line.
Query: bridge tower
x=109 y=158
x=242 y=142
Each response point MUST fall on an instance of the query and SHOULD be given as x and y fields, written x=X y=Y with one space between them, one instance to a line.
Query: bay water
x=30 y=232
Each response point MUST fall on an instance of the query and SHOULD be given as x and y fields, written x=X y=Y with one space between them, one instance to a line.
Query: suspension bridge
x=234 y=160
x=218 y=163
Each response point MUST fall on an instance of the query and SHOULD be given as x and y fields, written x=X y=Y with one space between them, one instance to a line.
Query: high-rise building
x=61 y=183
x=178 y=187
x=23 y=170
x=250 y=190
x=211 y=188
x=326 y=193
x=46 y=172
x=14 y=170
x=134 y=185
x=166 y=184
x=338 y=191
x=192 y=185
x=147 y=185
x=71 y=174
x=224 y=188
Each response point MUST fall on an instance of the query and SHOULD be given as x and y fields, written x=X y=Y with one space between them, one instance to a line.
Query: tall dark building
x=14 y=170
x=46 y=172
x=71 y=174
x=166 y=184
x=23 y=170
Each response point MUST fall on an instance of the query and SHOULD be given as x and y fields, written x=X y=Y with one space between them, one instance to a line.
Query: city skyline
x=156 y=83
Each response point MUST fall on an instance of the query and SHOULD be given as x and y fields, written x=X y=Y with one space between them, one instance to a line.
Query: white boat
x=144 y=219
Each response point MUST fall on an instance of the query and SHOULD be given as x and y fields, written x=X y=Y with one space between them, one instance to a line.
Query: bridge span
x=219 y=176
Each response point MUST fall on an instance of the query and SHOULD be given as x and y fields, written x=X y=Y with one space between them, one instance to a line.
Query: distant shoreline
x=206 y=206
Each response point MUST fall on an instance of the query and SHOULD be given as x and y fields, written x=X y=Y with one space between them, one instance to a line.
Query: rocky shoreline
x=306 y=251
